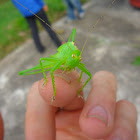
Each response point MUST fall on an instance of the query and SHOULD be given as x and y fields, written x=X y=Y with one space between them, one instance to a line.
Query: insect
x=67 y=58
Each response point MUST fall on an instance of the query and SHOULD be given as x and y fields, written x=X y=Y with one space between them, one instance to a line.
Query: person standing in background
x=71 y=6
x=38 y=7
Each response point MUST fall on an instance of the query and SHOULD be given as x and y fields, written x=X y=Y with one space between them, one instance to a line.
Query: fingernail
x=99 y=113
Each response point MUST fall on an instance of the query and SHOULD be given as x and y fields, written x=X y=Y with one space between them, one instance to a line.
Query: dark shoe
x=41 y=49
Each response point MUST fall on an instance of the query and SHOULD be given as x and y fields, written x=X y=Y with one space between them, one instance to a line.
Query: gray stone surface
x=112 y=46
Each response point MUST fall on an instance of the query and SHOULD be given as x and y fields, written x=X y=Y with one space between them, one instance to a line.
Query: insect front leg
x=83 y=69
x=55 y=67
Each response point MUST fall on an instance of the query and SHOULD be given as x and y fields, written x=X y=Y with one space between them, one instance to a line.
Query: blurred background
x=14 y=29
x=114 y=46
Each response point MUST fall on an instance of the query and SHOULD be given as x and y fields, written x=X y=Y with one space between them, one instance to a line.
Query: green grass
x=13 y=27
x=10 y=28
x=136 y=62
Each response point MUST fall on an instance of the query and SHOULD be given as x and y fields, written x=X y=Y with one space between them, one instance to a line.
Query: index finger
x=67 y=86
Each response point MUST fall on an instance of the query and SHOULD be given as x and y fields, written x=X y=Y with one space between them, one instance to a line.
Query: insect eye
x=73 y=55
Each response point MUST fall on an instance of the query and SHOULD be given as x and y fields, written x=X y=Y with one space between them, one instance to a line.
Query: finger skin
x=1 y=128
x=67 y=86
x=97 y=117
x=125 y=122
x=40 y=117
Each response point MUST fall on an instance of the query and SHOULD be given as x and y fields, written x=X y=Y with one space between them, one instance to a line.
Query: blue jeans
x=71 y=5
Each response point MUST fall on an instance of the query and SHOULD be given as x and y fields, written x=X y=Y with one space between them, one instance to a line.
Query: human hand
x=99 y=117
x=45 y=8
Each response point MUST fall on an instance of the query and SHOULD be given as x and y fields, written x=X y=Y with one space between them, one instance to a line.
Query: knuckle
x=128 y=110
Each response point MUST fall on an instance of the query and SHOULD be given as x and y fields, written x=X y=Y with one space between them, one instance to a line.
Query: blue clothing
x=71 y=5
x=33 y=5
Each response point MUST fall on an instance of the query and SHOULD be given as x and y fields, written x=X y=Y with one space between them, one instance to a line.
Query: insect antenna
x=44 y=22
x=96 y=23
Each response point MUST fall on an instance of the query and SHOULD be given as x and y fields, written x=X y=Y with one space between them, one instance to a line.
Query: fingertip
x=66 y=86
x=63 y=92
x=130 y=107
x=108 y=77
x=104 y=73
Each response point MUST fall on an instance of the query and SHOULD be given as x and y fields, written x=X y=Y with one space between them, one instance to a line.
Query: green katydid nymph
x=67 y=58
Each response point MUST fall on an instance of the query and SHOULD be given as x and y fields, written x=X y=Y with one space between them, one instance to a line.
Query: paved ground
x=112 y=47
